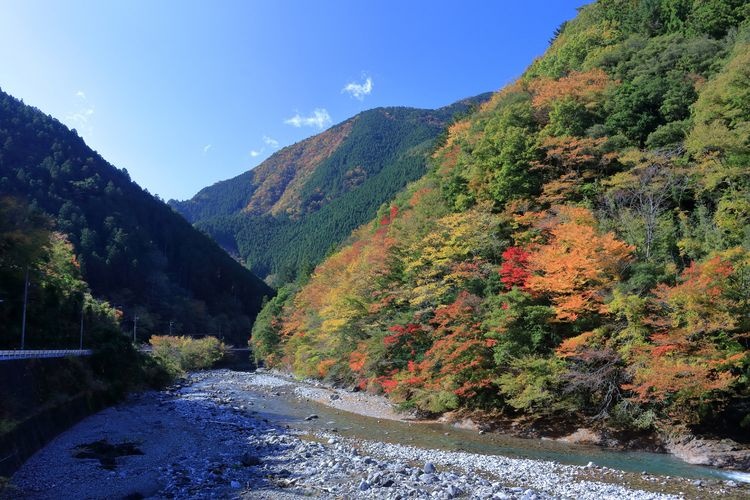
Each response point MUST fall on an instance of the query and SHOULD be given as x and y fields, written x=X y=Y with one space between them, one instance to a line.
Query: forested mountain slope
x=132 y=248
x=580 y=249
x=286 y=214
x=61 y=299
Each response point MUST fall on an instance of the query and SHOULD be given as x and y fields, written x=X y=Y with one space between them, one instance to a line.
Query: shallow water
x=287 y=409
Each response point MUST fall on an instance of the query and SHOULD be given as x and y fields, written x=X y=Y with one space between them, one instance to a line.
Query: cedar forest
x=282 y=217
x=60 y=197
x=579 y=248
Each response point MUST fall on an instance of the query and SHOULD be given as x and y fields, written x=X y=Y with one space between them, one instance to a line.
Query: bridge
x=43 y=353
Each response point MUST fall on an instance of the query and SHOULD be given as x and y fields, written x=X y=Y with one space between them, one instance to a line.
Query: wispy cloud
x=207 y=148
x=270 y=141
x=319 y=119
x=80 y=119
x=359 y=90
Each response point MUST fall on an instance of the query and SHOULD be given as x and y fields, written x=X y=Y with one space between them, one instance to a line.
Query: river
x=230 y=434
x=289 y=409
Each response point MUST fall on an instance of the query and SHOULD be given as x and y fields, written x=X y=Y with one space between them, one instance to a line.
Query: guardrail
x=43 y=353
x=61 y=353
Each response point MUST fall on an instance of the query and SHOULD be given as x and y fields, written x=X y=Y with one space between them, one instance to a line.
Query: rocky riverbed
x=213 y=436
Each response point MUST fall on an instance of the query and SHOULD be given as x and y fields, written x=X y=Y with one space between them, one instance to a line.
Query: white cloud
x=270 y=141
x=359 y=90
x=319 y=118
x=81 y=118
x=255 y=153
x=207 y=148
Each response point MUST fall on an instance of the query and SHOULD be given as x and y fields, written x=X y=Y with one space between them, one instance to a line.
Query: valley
x=537 y=292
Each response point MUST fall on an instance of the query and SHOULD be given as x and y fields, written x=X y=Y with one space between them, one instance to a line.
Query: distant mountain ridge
x=268 y=188
x=133 y=249
x=289 y=211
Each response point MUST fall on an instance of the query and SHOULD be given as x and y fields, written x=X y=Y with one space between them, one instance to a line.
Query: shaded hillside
x=132 y=248
x=580 y=250
x=59 y=298
x=288 y=212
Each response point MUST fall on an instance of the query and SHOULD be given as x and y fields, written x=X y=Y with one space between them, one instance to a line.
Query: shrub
x=180 y=354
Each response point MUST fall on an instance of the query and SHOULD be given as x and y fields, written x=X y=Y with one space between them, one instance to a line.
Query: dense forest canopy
x=284 y=216
x=61 y=301
x=132 y=249
x=579 y=249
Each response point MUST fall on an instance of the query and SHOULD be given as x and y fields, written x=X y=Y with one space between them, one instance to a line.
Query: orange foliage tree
x=577 y=266
x=587 y=86
x=699 y=326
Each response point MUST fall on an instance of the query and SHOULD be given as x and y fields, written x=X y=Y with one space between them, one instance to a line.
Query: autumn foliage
x=577 y=265
x=514 y=270
x=567 y=255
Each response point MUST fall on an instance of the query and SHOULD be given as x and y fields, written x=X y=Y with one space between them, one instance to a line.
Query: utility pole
x=25 y=300
x=80 y=341
x=135 y=327
x=170 y=327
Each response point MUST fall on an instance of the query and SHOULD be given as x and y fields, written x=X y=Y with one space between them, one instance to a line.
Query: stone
x=453 y=491
x=429 y=468
x=427 y=478
x=311 y=417
x=724 y=453
x=364 y=485
x=582 y=436
x=235 y=484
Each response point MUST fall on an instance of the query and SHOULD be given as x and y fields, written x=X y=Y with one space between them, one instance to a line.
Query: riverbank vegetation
x=580 y=248
x=178 y=355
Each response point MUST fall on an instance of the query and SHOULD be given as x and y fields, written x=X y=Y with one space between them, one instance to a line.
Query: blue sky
x=186 y=93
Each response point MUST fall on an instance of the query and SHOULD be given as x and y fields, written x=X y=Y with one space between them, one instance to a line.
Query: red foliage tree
x=514 y=270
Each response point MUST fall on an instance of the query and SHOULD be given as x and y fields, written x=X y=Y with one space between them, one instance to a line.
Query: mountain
x=288 y=212
x=133 y=250
x=579 y=253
